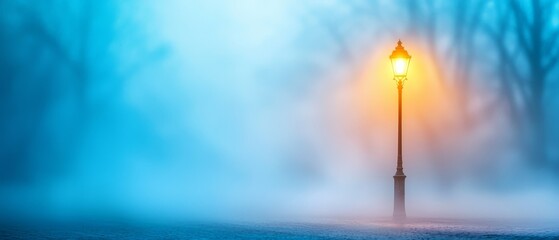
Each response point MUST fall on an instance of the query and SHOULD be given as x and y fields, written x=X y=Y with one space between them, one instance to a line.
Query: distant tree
x=61 y=54
x=526 y=42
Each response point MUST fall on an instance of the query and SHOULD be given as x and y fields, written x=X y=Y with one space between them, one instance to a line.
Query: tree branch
x=523 y=25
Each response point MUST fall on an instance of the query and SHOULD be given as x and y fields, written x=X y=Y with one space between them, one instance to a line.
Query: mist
x=279 y=109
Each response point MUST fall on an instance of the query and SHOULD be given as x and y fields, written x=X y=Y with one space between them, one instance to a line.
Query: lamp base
x=399 y=197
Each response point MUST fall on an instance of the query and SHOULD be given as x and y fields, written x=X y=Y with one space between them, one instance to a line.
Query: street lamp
x=400 y=60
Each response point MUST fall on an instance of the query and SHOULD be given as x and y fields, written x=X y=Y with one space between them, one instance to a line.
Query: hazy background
x=253 y=109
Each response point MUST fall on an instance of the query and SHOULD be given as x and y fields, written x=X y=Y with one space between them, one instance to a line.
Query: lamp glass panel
x=400 y=66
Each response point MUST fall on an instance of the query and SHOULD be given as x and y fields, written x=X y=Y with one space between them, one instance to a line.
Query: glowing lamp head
x=400 y=60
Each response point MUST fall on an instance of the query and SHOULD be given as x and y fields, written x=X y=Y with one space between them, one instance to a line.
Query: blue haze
x=156 y=110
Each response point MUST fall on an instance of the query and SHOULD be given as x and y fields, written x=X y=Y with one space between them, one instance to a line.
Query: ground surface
x=379 y=229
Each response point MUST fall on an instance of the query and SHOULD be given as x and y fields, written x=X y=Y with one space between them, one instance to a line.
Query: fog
x=279 y=109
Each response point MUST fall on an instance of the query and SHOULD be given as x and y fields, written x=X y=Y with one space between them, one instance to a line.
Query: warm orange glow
x=371 y=101
x=400 y=66
x=364 y=110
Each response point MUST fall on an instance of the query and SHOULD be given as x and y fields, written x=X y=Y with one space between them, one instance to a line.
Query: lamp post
x=400 y=60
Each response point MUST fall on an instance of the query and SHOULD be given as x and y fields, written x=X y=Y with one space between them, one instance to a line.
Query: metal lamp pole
x=400 y=61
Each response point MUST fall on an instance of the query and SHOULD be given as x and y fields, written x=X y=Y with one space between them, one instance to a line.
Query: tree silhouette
x=526 y=44
x=60 y=55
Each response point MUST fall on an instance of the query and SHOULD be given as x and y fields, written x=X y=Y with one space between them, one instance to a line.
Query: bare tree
x=526 y=44
x=65 y=46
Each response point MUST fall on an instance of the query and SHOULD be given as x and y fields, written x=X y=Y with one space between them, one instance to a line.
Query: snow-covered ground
x=377 y=229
